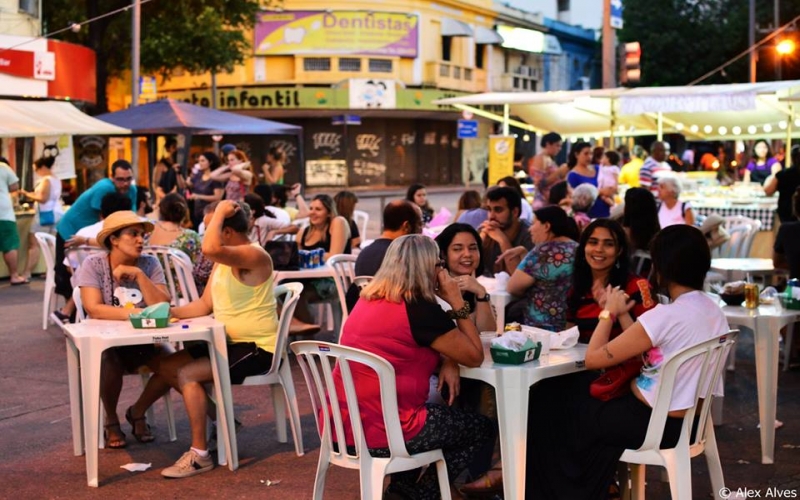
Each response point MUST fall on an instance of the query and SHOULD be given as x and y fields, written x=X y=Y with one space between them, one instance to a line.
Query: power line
x=747 y=51
x=74 y=26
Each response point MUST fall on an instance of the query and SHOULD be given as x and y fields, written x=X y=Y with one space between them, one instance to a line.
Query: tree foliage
x=682 y=40
x=195 y=35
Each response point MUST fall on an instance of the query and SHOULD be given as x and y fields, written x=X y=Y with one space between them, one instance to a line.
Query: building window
x=317 y=64
x=563 y=5
x=480 y=52
x=380 y=66
x=349 y=64
x=447 y=46
x=30 y=7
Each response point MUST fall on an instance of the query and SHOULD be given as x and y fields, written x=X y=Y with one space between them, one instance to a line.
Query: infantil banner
x=336 y=32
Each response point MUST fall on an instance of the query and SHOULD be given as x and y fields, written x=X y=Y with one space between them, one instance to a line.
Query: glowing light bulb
x=694 y=129
x=768 y=128
x=723 y=130
x=782 y=124
x=736 y=130
x=679 y=126
x=752 y=129
x=707 y=129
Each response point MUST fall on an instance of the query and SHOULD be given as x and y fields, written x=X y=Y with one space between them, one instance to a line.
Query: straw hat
x=120 y=220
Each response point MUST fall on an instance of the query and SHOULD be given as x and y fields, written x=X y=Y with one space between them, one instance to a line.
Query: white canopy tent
x=708 y=112
x=50 y=118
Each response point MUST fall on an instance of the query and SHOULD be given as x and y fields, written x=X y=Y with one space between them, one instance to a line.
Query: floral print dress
x=550 y=264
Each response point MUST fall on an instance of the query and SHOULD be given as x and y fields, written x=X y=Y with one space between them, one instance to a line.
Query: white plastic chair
x=316 y=359
x=640 y=258
x=735 y=246
x=344 y=268
x=80 y=315
x=76 y=255
x=47 y=244
x=710 y=355
x=279 y=378
x=361 y=219
x=177 y=267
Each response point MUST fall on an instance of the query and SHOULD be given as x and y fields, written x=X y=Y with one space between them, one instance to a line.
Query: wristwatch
x=485 y=298
x=606 y=314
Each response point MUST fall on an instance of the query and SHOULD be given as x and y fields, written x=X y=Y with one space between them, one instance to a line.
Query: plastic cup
x=498 y=301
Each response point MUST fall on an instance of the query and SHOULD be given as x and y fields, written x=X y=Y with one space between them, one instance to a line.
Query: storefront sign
x=59 y=147
x=339 y=32
x=501 y=157
x=26 y=64
x=372 y=94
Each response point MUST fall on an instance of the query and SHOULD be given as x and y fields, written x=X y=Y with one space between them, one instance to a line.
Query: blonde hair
x=408 y=271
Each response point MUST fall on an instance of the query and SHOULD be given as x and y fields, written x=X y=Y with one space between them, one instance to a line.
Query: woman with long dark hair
x=602 y=260
x=418 y=195
x=640 y=218
x=204 y=189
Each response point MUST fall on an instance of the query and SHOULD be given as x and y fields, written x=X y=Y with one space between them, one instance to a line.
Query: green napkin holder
x=155 y=316
x=530 y=351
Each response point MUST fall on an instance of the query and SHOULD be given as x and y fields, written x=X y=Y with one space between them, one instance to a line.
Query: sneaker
x=190 y=464
x=212 y=440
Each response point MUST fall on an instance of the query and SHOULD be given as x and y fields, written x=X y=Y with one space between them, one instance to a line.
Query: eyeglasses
x=123 y=179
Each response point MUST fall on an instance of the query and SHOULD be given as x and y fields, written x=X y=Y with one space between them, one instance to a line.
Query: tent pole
x=787 y=160
x=505 y=119
x=660 y=126
x=613 y=126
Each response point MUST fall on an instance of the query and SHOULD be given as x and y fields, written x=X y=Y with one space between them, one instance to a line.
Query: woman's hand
x=227 y=208
x=599 y=294
x=126 y=273
x=617 y=301
x=449 y=290
x=449 y=375
x=516 y=252
x=468 y=283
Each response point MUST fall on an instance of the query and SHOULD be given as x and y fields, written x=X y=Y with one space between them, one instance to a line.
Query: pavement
x=36 y=460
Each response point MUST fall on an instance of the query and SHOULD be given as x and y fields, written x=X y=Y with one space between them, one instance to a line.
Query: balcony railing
x=445 y=75
x=514 y=82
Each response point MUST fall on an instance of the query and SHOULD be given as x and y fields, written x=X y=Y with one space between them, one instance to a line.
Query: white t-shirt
x=671 y=216
x=691 y=319
x=87 y=232
x=608 y=177
x=526 y=211
x=263 y=225
x=281 y=214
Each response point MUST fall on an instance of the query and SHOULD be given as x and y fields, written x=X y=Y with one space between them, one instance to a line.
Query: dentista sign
x=336 y=32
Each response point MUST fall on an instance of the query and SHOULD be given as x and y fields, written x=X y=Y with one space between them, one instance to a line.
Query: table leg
x=222 y=388
x=766 y=343
x=76 y=415
x=512 y=416
x=90 y=387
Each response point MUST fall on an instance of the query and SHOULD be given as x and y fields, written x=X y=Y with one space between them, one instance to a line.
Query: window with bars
x=380 y=66
x=30 y=7
x=317 y=64
x=349 y=64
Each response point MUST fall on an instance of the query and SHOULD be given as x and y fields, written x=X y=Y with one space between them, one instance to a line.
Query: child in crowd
x=609 y=175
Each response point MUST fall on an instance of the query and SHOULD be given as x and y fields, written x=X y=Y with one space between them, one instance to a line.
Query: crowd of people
x=567 y=253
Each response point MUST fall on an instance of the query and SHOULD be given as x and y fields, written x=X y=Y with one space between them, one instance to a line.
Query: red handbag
x=615 y=381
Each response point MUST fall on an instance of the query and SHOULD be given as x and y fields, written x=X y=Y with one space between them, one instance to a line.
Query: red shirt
x=587 y=310
x=401 y=333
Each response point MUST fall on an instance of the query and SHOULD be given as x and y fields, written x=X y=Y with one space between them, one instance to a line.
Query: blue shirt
x=600 y=208
x=86 y=209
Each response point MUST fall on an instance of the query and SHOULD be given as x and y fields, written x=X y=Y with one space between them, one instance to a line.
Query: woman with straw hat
x=113 y=286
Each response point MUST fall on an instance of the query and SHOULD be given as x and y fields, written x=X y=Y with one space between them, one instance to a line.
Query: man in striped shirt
x=654 y=166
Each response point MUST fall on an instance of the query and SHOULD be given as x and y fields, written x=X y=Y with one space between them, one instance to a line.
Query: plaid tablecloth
x=765 y=215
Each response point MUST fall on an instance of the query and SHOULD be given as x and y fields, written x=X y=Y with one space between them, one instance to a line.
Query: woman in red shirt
x=601 y=260
x=399 y=319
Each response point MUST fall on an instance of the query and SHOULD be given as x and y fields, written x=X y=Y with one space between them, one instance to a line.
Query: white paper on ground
x=134 y=467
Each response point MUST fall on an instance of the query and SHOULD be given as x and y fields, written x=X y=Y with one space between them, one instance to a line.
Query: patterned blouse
x=191 y=243
x=550 y=264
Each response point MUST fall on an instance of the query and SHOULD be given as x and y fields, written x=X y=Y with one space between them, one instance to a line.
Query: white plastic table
x=730 y=267
x=512 y=384
x=766 y=323
x=86 y=342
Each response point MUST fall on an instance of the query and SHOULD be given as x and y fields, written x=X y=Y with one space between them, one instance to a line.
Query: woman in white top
x=574 y=443
x=671 y=211
x=47 y=196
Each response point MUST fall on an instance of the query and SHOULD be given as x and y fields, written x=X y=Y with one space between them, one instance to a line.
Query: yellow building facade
x=360 y=77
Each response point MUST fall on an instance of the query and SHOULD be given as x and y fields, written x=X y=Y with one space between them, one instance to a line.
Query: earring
x=617 y=264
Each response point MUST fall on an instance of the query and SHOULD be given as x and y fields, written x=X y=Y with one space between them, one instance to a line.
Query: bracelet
x=462 y=313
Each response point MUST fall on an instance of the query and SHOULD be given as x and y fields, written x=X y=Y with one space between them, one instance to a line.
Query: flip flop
x=114 y=443
x=26 y=281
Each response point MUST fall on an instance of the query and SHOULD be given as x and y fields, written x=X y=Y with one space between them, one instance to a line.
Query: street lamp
x=785 y=47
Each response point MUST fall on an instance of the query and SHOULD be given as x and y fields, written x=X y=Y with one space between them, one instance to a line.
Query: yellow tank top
x=248 y=313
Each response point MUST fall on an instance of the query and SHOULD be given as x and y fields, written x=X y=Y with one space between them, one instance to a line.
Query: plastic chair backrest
x=288 y=294
x=712 y=355
x=317 y=360
x=76 y=255
x=47 y=244
x=747 y=246
x=343 y=273
x=640 y=257
x=80 y=313
x=734 y=246
x=177 y=268
x=361 y=219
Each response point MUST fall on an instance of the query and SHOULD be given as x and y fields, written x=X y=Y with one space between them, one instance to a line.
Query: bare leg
x=69 y=307
x=33 y=255
x=191 y=378
x=11 y=263
x=111 y=373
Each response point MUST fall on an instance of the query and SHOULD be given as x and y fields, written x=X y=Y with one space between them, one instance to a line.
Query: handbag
x=284 y=255
x=615 y=381
x=47 y=218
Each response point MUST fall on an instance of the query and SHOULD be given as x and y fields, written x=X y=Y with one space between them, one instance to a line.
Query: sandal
x=142 y=437
x=114 y=437
x=487 y=485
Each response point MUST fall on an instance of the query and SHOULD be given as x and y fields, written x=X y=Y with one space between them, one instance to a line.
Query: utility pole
x=752 y=41
x=135 y=59
x=609 y=48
